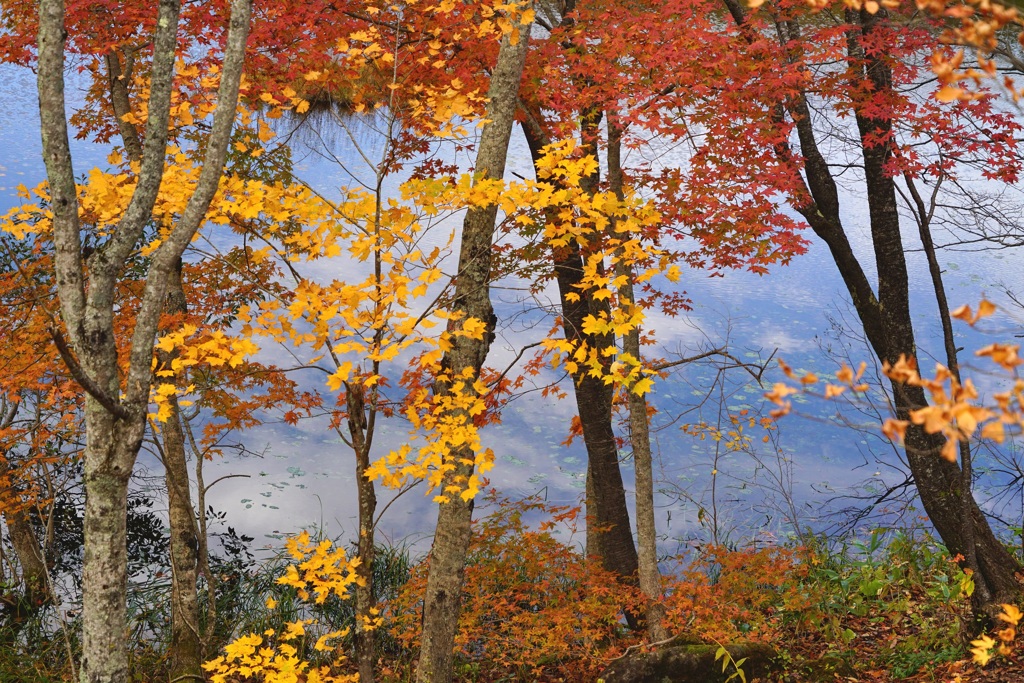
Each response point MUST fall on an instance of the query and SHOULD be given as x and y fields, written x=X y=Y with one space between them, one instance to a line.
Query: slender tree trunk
x=365 y=602
x=982 y=595
x=186 y=641
x=119 y=78
x=639 y=426
x=441 y=604
x=28 y=549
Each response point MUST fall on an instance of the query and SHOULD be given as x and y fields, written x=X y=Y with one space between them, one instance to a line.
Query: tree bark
x=186 y=649
x=609 y=534
x=34 y=576
x=639 y=425
x=939 y=482
x=886 y=318
x=472 y=298
x=365 y=645
x=115 y=407
x=609 y=531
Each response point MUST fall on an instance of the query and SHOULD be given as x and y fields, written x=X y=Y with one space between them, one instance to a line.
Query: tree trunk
x=116 y=406
x=34 y=579
x=639 y=426
x=111 y=446
x=611 y=537
x=186 y=642
x=186 y=648
x=939 y=482
x=472 y=298
x=886 y=318
x=982 y=595
x=357 y=426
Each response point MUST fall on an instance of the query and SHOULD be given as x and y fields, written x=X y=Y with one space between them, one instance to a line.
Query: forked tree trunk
x=115 y=410
x=939 y=482
x=886 y=317
x=441 y=603
x=186 y=647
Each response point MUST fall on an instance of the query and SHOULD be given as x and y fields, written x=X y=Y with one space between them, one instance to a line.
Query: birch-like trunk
x=441 y=604
x=116 y=406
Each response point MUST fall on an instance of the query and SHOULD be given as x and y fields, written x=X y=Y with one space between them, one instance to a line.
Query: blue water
x=814 y=462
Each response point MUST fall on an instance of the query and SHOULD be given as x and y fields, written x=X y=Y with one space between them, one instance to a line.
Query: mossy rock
x=682 y=662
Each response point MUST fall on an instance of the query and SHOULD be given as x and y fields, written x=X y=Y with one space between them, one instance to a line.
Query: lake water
x=817 y=460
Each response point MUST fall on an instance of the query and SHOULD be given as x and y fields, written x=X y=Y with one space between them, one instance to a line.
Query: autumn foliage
x=718 y=101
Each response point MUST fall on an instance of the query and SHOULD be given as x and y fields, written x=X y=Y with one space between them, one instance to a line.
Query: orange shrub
x=727 y=595
x=534 y=609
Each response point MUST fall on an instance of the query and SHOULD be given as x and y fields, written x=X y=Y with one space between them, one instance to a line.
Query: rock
x=687 y=662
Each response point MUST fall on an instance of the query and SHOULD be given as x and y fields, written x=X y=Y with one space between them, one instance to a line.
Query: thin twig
x=642 y=645
x=511 y=365
x=226 y=476
x=689 y=359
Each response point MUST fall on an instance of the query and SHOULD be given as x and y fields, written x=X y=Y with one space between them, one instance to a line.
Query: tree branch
x=83 y=379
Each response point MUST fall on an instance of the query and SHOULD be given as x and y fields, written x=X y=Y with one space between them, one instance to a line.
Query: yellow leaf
x=1011 y=614
x=895 y=430
x=962 y=313
x=994 y=431
x=474 y=328
x=340 y=376
x=982 y=649
x=292 y=630
x=985 y=309
x=643 y=386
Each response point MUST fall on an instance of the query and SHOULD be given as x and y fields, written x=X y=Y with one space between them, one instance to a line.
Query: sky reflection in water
x=305 y=475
